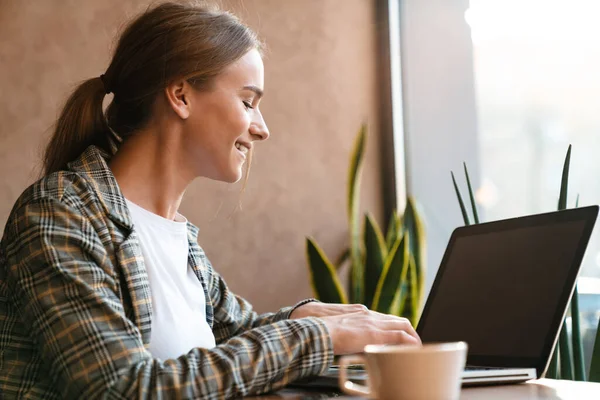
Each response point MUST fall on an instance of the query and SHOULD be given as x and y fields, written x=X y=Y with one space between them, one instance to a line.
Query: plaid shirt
x=75 y=307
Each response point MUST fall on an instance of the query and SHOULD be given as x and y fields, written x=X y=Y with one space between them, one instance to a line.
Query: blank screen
x=499 y=291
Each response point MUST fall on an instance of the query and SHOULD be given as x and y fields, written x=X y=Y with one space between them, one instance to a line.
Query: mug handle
x=346 y=385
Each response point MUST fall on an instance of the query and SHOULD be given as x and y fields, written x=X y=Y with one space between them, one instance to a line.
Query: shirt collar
x=93 y=163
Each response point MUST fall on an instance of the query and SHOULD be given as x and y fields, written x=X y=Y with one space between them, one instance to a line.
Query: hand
x=351 y=327
x=318 y=309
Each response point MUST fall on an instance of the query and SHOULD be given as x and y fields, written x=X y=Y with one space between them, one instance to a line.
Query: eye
x=248 y=105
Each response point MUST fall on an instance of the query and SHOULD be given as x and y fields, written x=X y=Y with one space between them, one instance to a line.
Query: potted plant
x=386 y=273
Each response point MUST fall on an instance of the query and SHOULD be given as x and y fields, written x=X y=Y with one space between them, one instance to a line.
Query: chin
x=235 y=180
x=226 y=176
x=228 y=173
x=233 y=177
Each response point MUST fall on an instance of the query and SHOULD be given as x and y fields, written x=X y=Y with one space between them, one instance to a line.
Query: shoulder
x=71 y=189
x=60 y=203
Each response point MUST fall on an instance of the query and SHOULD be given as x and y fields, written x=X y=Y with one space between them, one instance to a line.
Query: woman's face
x=225 y=122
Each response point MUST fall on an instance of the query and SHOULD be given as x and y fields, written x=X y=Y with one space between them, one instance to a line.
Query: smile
x=242 y=148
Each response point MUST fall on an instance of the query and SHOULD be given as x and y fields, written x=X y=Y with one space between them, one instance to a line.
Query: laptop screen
x=503 y=287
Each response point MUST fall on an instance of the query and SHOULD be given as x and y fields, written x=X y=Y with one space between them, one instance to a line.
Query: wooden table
x=532 y=390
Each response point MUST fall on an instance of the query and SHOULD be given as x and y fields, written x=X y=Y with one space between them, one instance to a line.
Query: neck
x=149 y=173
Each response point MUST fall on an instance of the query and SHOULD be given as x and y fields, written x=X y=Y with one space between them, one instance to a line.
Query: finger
x=392 y=321
x=393 y=338
x=384 y=316
x=375 y=315
x=401 y=337
x=398 y=325
x=381 y=321
x=412 y=332
x=406 y=338
x=406 y=324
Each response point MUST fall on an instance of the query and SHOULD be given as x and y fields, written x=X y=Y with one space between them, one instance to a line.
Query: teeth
x=241 y=148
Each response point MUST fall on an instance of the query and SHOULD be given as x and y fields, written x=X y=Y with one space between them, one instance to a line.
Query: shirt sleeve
x=232 y=313
x=65 y=288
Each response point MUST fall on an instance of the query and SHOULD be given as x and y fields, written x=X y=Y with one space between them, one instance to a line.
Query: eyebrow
x=259 y=92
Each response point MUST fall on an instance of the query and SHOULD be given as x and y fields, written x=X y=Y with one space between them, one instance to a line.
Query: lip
x=248 y=145
x=245 y=144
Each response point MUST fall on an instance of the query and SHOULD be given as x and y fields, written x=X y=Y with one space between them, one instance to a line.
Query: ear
x=178 y=95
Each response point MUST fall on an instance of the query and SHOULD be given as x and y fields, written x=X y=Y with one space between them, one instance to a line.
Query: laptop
x=504 y=288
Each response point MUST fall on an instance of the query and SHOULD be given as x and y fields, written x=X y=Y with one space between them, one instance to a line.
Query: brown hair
x=167 y=42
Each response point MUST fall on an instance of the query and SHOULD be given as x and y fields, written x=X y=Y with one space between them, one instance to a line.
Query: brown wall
x=320 y=84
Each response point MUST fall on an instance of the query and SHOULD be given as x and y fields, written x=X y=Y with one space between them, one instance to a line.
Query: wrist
x=300 y=304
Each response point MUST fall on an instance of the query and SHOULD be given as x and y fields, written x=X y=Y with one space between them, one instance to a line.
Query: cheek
x=239 y=121
x=221 y=125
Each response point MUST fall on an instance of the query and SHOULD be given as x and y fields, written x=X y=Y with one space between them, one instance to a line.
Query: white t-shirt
x=178 y=302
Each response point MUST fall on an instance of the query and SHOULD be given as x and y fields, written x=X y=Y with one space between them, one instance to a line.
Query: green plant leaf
x=342 y=258
x=399 y=305
x=578 y=360
x=463 y=210
x=395 y=308
x=354 y=177
x=553 y=369
x=417 y=293
x=394 y=273
x=566 y=357
x=409 y=304
x=325 y=283
x=414 y=227
x=375 y=255
x=392 y=231
x=564 y=183
x=595 y=365
x=473 y=205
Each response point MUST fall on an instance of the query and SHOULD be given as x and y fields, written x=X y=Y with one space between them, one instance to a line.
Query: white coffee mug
x=428 y=372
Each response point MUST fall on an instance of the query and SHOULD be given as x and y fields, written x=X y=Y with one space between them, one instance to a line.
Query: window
x=505 y=85
x=537 y=82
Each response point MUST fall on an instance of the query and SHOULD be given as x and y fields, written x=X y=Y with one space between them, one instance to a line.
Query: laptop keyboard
x=473 y=368
x=361 y=367
x=357 y=367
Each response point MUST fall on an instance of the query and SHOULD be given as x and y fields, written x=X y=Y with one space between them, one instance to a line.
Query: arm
x=65 y=289
x=233 y=314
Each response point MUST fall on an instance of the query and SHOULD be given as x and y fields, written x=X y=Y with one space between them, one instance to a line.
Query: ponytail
x=81 y=124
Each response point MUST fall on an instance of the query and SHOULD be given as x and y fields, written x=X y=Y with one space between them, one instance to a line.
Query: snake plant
x=567 y=359
x=386 y=272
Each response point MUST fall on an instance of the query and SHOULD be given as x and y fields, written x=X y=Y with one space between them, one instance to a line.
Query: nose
x=258 y=128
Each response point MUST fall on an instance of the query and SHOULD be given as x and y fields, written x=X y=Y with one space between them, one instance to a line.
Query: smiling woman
x=104 y=290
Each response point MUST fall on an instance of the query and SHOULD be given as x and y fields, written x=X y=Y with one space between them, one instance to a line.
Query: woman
x=104 y=291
